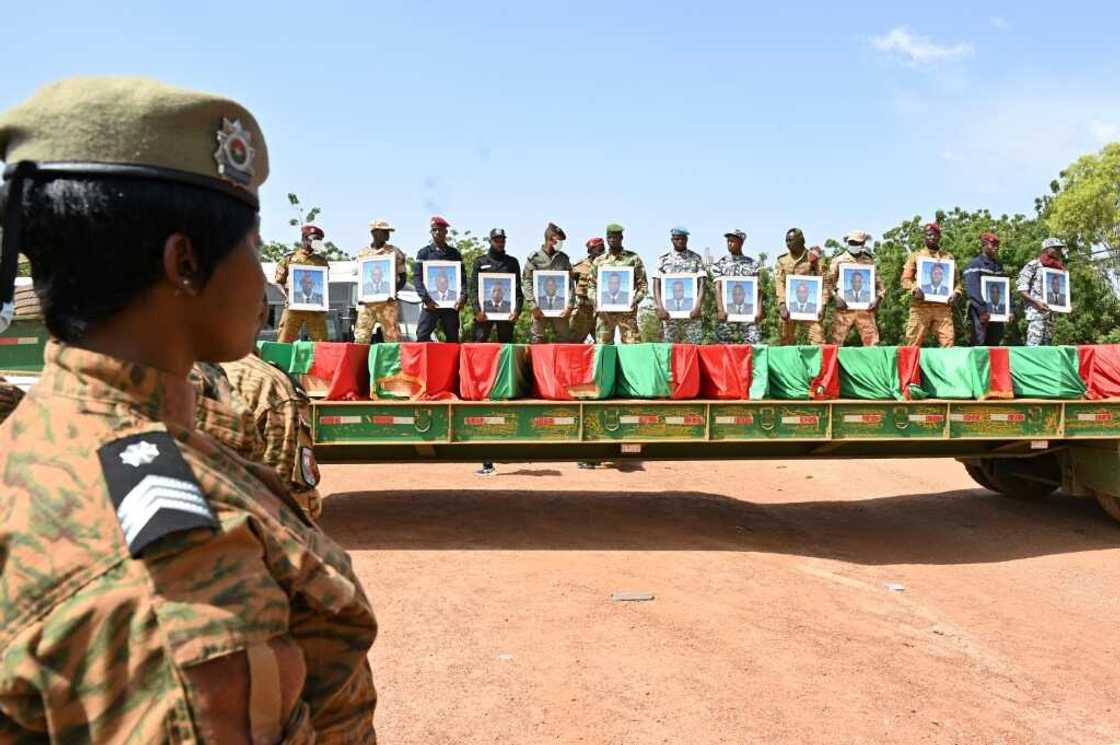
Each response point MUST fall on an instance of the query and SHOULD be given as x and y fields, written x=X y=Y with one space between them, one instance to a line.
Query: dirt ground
x=798 y=602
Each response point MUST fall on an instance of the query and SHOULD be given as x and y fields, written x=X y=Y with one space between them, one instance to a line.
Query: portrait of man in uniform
x=307 y=288
x=442 y=279
x=857 y=283
x=936 y=279
x=740 y=299
x=1055 y=283
x=679 y=294
x=616 y=287
x=496 y=291
x=551 y=292
x=805 y=293
x=995 y=291
x=378 y=280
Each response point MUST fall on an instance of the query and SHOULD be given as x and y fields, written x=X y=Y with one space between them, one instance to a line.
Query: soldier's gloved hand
x=840 y=304
x=538 y=313
x=783 y=311
x=661 y=313
x=917 y=293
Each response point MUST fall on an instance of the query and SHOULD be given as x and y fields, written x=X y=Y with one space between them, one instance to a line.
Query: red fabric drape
x=436 y=365
x=686 y=371
x=1100 y=370
x=827 y=383
x=478 y=369
x=909 y=368
x=345 y=368
x=999 y=377
x=557 y=368
x=725 y=371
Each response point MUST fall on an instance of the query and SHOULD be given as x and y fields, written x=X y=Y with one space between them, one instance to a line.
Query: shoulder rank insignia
x=153 y=489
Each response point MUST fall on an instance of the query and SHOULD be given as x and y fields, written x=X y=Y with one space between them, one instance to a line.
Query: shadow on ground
x=956 y=527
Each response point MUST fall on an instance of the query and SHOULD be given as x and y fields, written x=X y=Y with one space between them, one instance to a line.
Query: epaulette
x=153 y=489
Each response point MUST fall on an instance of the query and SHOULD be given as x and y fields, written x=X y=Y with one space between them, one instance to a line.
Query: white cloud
x=1000 y=23
x=1104 y=132
x=919 y=50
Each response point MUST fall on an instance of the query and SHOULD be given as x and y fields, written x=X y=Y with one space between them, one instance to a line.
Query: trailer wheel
x=979 y=474
x=1026 y=478
x=1109 y=503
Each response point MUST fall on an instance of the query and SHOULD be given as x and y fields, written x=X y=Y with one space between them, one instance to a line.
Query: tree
x=1086 y=205
x=276 y=250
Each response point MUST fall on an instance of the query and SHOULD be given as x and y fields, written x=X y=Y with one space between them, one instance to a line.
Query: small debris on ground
x=895 y=587
x=629 y=597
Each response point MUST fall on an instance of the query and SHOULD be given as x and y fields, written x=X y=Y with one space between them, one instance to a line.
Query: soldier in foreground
x=551 y=258
x=926 y=316
x=796 y=261
x=680 y=260
x=293 y=321
x=858 y=252
x=627 y=321
x=387 y=313
x=1040 y=319
x=155 y=587
x=583 y=319
x=982 y=331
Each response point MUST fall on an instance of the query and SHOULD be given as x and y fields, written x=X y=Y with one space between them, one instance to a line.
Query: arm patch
x=153 y=489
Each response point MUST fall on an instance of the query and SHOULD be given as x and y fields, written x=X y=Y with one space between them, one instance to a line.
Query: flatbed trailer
x=1023 y=448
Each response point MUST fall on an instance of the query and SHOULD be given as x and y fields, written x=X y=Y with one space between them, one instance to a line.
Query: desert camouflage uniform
x=727 y=332
x=843 y=320
x=1040 y=323
x=627 y=322
x=281 y=410
x=222 y=414
x=679 y=330
x=924 y=315
x=583 y=318
x=387 y=314
x=789 y=266
x=99 y=631
x=10 y=396
x=292 y=321
x=557 y=261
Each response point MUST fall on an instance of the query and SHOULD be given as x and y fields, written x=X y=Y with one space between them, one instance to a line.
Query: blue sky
x=711 y=115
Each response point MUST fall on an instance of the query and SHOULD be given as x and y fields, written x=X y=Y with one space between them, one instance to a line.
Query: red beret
x=989 y=237
x=934 y=227
x=439 y=222
x=594 y=242
x=309 y=230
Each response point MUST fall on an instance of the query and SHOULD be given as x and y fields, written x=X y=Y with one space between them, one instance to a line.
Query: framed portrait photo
x=803 y=296
x=551 y=290
x=378 y=281
x=307 y=288
x=935 y=277
x=678 y=294
x=616 y=289
x=496 y=295
x=857 y=285
x=1055 y=290
x=740 y=298
x=443 y=280
x=996 y=292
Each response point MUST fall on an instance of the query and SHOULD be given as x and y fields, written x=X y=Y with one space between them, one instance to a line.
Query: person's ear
x=180 y=264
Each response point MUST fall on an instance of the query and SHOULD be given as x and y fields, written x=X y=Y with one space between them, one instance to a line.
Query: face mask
x=559 y=245
x=857 y=250
x=317 y=244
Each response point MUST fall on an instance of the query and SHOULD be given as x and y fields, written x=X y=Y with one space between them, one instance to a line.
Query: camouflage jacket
x=280 y=409
x=581 y=276
x=222 y=414
x=832 y=284
x=400 y=263
x=787 y=266
x=1030 y=282
x=300 y=256
x=735 y=266
x=106 y=602
x=540 y=260
x=680 y=262
x=10 y=396
x=624 y=258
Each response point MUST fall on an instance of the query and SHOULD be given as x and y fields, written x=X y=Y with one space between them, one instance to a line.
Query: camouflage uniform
x=10 y=396
x=222 y=414
x=727 y=332
x=387 y=314
x=924 y=315
x=292 y=321
x=541 y=260
x=1040 y=323
x=101 y=625
x=789 y=266
x=281 y=410
x=583 y=319
x=678 y=330
x=626 y=321
x=843 y=320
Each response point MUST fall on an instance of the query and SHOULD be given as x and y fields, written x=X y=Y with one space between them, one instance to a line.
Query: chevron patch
x=153 y=489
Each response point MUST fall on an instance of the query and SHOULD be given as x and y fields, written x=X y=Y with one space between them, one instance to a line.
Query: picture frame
x=936 y=290
x=745 y=311
x=1002 y=313
x=308 y=288
x=377 y=279
x=857 y=295
x=1059 y=302
x=808 y=309
x=452 y=271
x=612 y=298
x=689 y=288
x=497 y=295
x=552 y=306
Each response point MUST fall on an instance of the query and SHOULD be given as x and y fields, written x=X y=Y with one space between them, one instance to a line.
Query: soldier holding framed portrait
x=987 y=311
x=680 y=270
x=496 y=304
x=385 y=310
x=730 y=271
x=798 y=261
x=857 y=288
x=1033 y=288
x=437 y=274
x=932 y=313
x=551 y=303
x=292 y=321
x=616 y=302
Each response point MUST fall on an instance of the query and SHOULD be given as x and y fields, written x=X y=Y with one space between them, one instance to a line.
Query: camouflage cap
x=857 y=236
x=380 y=224
x=614 y=228
x=736 y=234
x=1053 y=243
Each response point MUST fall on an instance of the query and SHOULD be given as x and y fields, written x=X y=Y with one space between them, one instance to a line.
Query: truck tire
x=979 y=474
x=1109 y=503
x=1026 y=478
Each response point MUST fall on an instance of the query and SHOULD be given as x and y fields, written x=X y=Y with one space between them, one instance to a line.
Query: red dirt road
x=773 y=621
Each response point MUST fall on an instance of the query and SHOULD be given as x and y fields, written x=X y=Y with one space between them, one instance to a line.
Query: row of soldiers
x=581 y=317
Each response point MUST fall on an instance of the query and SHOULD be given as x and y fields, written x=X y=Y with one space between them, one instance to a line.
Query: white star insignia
x=139 y=454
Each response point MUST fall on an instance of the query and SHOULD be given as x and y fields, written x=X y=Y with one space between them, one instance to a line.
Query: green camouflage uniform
x=541 y=260
x=626 y=322
x=1040 y=323
x=583 y=319
x=727 y=332
x=677 y=330
x=280 y=409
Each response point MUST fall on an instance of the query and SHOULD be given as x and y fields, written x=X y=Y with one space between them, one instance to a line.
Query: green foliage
x=276 y=250
x=1086 y=204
